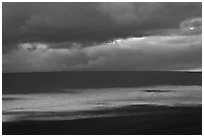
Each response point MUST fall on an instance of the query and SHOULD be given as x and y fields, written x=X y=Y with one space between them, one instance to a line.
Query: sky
x=43 y=37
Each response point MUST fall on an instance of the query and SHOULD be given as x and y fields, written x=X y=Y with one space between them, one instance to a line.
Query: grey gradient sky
x=101 y=36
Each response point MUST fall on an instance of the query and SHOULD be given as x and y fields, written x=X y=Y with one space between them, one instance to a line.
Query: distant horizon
x=107 y=71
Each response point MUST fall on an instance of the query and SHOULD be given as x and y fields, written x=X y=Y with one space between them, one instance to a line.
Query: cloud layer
x=147 y=53
x=101 y=36
x=89 y=22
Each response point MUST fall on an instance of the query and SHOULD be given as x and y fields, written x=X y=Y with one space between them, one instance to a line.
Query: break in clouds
x=101 y=36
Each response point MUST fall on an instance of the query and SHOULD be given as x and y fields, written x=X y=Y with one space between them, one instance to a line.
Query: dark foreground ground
x=139 y=120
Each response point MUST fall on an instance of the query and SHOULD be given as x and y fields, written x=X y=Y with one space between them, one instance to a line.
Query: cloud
x=101 y=36
x=89 y=22
x=192 y=26
x=129 y=13
x=146 y=53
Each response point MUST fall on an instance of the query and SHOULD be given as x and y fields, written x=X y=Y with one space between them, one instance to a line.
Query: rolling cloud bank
x=101 y=36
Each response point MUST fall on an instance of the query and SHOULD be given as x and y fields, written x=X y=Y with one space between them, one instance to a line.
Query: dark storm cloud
x=89 y=22
x=101 y=36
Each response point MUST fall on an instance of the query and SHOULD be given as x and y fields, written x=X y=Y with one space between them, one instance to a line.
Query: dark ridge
x=55 y=81
x=156 y=91
x=9 y=99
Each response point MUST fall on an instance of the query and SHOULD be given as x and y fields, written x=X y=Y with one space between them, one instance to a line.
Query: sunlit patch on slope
x=93 y=99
